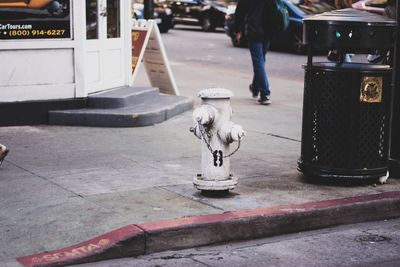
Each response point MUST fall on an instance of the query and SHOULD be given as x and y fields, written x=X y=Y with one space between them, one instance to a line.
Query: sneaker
x=254 y=92
x=264 y=100
x=3 y=153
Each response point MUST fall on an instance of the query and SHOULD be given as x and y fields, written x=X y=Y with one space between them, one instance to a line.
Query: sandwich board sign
x=147 y=46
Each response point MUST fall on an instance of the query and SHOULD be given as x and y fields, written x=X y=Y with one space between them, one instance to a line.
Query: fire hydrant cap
x=215 y=93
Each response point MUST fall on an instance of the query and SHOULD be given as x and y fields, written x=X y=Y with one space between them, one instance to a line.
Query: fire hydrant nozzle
x=230 y=132
x=217 y=131
x=204 y=114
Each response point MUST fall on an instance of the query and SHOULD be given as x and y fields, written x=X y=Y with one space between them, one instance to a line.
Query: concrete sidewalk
x=61 y=186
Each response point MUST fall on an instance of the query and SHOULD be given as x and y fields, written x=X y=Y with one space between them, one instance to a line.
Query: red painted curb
x=158 y=233
x=278 y=210
x=82 y=250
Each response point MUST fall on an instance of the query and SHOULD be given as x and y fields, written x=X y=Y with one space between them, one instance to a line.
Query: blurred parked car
x=206 y=13
x=374 y=6
x=162 y=14
x=292 y=38
x=56 y=8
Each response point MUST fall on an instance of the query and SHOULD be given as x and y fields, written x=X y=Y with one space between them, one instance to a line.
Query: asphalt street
x=360 y=245
x=189 y=45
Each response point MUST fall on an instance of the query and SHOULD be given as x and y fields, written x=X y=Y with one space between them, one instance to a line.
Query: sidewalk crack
x=46 y=179
x=277 y=136
x=177 y=256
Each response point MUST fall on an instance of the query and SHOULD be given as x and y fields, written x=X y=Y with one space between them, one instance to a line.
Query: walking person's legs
x=260 y=82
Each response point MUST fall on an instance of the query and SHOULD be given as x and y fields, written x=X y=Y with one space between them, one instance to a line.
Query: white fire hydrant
x=217 y=131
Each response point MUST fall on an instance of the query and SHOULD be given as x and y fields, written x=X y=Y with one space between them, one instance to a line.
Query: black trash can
x=346 y=108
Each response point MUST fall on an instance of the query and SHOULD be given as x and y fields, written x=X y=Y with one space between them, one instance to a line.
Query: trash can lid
x=353 y=30
x=350 y=16
x=215 y=93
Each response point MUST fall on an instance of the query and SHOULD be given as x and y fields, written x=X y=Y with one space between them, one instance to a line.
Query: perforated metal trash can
x=346 y=109
x=345 y=130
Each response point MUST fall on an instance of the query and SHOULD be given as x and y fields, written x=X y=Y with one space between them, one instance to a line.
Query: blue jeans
x=258 y=50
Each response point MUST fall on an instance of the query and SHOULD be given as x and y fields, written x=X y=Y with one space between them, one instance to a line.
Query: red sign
x=138 y=38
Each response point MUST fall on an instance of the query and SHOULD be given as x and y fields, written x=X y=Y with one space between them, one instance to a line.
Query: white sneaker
x=264 y=101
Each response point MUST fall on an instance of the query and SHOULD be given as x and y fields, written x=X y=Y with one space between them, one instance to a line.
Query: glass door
x=104 y=57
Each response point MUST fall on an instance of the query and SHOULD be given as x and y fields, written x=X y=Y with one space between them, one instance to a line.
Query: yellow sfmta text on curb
x=76 y=252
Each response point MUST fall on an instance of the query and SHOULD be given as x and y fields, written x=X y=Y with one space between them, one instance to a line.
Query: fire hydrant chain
x=206 y=136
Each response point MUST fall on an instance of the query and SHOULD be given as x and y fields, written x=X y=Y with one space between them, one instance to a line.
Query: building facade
x=59 y=51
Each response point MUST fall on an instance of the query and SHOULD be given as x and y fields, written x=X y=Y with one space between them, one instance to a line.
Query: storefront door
x=104 y=48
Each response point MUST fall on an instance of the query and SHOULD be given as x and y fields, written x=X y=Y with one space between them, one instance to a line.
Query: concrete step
x=122 y=97
x=149 y=111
